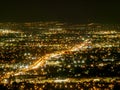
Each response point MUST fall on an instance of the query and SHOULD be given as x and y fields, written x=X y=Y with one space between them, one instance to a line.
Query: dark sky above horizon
x=83 y=11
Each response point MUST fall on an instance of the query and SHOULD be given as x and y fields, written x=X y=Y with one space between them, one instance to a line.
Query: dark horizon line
x=59 y=20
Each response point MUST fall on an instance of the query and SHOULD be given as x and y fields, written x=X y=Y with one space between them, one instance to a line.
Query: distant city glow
x=59 y=56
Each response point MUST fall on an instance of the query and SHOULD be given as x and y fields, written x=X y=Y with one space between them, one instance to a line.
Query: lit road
x=41 y=61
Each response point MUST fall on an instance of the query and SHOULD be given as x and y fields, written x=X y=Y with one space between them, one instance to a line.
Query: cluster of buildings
x=22 y=44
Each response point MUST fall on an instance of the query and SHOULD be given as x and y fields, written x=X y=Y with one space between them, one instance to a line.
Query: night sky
x=82 y=11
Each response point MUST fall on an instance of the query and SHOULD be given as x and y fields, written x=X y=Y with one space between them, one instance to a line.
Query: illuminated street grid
x=60 y=55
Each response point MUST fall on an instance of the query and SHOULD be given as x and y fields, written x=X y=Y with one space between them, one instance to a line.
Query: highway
x=42 y=60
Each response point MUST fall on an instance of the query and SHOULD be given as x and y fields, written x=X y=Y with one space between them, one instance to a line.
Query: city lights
x=60 y=56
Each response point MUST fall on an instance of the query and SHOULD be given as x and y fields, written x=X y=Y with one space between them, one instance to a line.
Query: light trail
x=41 y=62
x=46 y=57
